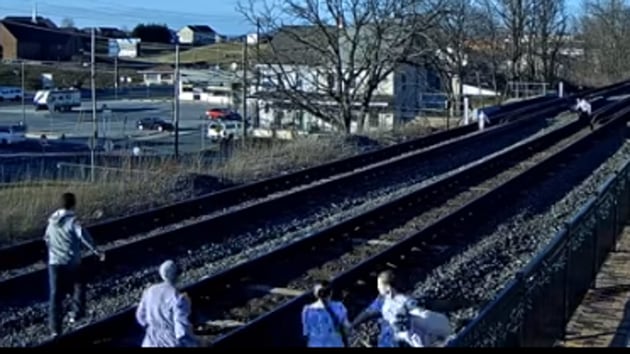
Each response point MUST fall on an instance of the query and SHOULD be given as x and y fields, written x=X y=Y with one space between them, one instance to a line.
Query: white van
x=57 y=100
x=218 y=130
x=12 y=134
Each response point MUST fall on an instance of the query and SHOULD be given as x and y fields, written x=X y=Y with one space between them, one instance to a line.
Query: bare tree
x=490 y=54
x=513 y=16
x=605 y=29
x=67 y=22
x=459 y=34
x=546 y=30
x=328 y=57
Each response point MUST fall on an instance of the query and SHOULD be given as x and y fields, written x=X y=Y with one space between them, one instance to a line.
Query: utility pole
x=23 y=93
x=245 y=67
x=116 y=76
x=257 y=122
x=176 y=100
x=94 y=122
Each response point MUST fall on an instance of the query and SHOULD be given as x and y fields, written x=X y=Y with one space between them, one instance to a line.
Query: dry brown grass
x=254 y=162
x=114 y=193
x=414 y=129
x=139 y=186
x=220 y=53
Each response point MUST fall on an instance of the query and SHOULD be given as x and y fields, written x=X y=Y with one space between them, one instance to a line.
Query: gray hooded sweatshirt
x=64 y=236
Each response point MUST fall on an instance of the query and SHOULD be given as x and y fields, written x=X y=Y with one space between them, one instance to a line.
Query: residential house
x=296 y=66
x=159 y=75
x=213 y=86
x=198 y=35
x=36 y=38
x=103 y=35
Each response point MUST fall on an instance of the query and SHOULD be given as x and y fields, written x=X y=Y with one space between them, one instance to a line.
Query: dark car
x=154 y=124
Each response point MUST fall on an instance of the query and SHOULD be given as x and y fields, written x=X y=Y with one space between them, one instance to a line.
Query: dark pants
x=586 y=118
x=64 y=279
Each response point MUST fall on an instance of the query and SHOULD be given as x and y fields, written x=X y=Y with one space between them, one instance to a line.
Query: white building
x=160 y=75
x=197 y=35
x=396 y=99
x=216 y=87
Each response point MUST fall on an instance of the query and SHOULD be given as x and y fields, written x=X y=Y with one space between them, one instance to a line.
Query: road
x=117 y=126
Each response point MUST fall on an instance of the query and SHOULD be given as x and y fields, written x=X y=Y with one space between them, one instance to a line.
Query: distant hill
x=219 y=54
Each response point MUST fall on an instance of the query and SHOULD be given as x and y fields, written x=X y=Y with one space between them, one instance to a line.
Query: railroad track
x=115 y=284
x=241 y=293
x=30 y=252
x=18 y=258
x=430 y=245
x=30 y=269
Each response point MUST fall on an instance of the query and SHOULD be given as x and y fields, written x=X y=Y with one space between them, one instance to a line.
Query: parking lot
x=117 y=123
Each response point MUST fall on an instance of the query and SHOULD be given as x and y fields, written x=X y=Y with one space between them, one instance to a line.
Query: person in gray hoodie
x=64 y=236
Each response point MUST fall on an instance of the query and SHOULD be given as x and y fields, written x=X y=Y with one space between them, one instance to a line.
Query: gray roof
x=29 y=32
x=300 y=45
x=201 y=28
x=39 y=21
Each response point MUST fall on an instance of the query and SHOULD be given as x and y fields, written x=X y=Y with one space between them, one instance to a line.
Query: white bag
x=427 y=329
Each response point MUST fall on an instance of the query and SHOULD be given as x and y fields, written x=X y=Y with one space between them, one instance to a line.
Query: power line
x=107 y=13
x=84 y=35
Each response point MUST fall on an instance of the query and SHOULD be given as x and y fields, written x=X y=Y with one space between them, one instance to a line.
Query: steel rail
x=29 y=252
x=234 y=276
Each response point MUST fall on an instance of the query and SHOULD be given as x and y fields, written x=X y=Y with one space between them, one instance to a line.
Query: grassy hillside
x=221 y=54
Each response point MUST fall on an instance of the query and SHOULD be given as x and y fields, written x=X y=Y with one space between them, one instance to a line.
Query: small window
x=373 y=120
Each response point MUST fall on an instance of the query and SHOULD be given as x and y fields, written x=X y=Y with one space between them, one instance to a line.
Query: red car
x=222 y=113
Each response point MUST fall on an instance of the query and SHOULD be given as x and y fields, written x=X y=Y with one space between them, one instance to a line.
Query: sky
x=219 y=14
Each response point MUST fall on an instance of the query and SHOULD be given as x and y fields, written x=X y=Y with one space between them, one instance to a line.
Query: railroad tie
x=224 y=323
x=373 y=242
x=277 y=291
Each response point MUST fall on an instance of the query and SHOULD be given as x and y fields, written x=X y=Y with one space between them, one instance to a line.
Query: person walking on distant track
x=584 y=111
x=325 y=322
x=403 y=323
x=64 y=236
x=163 y=312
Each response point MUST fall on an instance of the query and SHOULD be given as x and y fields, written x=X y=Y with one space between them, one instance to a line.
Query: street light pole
x=94 y=122
x=244 y=89
x=176 y=100
x=116 y=77
x=23 y=93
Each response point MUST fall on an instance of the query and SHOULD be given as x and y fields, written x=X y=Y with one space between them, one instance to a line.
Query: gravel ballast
x=320 y=206
x=335 y=257
x=24 y=325
x=507 y=242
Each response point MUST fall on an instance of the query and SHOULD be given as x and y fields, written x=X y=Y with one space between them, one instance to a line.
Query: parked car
x=222 y=114
x=153 y=123
x=12 y=134
x=10 y=94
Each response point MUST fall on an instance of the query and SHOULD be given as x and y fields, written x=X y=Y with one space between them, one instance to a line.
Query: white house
x=159 y=75
x=216 y=87
x=197 y=35
x=396 y=99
